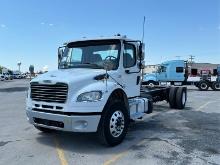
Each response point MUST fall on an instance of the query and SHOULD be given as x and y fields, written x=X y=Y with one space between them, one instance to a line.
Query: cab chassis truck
x=97 y=88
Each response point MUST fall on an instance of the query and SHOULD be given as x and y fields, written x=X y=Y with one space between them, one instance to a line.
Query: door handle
x=127 y=71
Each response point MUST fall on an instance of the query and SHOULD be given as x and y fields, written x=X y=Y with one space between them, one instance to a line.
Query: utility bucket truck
x=97 y=88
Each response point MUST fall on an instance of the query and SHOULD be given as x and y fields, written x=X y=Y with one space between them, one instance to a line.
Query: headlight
x=90 y=96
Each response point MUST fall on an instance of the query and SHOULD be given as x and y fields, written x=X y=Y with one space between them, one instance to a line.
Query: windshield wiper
x=67 y=65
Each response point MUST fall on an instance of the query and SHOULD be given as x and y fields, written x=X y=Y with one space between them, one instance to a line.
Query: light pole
x=19 y=66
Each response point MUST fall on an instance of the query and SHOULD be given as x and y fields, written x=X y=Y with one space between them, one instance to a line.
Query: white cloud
x=3 y=26
x=42 y=23
x=51 y=24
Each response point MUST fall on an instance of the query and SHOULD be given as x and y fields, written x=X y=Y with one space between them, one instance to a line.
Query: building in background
x=194 y=68
x=4 y=70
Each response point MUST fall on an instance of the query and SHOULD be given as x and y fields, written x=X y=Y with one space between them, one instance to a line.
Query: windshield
x=161 y=68
x=90 y=54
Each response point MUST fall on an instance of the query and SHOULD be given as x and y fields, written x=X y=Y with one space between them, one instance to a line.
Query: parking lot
x=190 y=136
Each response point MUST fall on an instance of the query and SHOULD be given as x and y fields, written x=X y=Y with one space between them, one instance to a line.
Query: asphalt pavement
x=190 y=136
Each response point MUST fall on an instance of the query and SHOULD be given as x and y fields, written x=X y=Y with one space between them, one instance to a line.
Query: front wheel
x=113 y=124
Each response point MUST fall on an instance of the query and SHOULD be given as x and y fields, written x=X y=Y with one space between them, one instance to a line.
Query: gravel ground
x=190 y=136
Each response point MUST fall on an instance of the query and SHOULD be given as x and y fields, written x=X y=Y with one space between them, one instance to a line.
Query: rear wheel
x=203 y=86
x=172 y=97
x=113 y=124
x=181 y=97
x=216 y=86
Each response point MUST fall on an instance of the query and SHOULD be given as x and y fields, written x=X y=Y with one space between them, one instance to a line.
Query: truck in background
x=176 y=72
x=7 y=76
x=2 y=77
x=97 y=88
x=218 y=74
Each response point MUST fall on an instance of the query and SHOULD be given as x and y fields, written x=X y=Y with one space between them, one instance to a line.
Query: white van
x=2 y=77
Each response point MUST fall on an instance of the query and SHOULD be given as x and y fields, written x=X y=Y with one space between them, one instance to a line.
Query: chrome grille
x=49 y=92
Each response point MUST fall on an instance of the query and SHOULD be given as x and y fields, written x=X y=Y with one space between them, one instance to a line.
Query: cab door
x=162 y=75
x=131 y=74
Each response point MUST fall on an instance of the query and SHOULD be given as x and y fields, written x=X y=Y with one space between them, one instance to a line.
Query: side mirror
x=159 y=69
x=60 y=54
x=141 y=51
x=141 y=65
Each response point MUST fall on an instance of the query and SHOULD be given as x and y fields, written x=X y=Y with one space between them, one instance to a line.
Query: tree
x=10 y=72
x=31 y=69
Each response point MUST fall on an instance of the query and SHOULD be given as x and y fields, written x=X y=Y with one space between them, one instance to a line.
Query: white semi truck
x=97 y=88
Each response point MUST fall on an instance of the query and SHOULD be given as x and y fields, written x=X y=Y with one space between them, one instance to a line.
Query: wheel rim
x=184 y=98
x=151 y=84
x=203 y=85
x=117 y=123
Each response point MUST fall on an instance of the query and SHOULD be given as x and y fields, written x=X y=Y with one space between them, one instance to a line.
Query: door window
x=163 y=68
x=129 y=56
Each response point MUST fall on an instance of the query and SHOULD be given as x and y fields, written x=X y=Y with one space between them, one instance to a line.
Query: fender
x=117 y=94
x=96 y=86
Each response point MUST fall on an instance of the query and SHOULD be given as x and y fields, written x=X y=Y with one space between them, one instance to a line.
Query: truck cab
x=97 y=88
x=170 y=71
x=93 y=76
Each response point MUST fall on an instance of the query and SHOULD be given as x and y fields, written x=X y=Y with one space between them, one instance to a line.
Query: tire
x=172 y=97
x=115 y=117
x=216 y=86
x=44 y=130
x=203 y=86
x=181 y=97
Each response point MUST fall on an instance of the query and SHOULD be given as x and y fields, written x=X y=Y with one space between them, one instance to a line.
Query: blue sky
x=31 y=30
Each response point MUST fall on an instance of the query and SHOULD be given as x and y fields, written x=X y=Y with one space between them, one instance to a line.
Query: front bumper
x=74 y=123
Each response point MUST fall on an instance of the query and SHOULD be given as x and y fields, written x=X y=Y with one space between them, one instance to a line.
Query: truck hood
x=150 y=76
x=68 y=75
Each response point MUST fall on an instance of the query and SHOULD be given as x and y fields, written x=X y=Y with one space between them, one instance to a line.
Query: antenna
x=191 y=58
x=143 y=30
